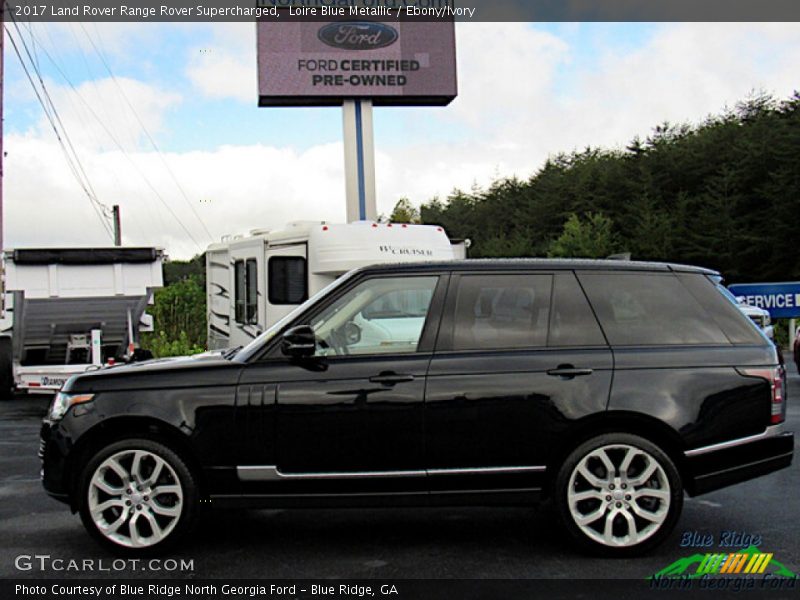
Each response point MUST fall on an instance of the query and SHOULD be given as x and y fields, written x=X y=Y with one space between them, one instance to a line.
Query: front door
x=350 y=419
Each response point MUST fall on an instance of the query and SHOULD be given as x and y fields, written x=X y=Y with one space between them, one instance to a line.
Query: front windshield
x=248 y=351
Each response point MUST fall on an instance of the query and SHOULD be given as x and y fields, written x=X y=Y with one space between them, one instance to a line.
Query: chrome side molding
x=771 y=431
x=273 y=473
x=486 y=470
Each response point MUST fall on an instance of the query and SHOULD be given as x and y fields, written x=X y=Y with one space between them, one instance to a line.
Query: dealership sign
x=782 y=300
x=393 y=63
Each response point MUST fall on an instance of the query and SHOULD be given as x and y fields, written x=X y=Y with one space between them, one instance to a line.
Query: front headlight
x=63 y=402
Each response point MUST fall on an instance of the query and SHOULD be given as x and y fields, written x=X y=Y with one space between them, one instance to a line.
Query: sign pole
x=359 y=160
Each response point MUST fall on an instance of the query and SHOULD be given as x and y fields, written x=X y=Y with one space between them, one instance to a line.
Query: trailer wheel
x=6 y=369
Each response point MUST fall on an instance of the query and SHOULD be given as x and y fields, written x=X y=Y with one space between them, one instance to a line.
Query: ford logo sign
x=358 y=35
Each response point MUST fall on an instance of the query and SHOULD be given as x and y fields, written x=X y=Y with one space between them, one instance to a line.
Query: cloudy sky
x=164 y=119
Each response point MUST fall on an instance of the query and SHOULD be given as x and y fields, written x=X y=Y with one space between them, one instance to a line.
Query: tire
x=587 y=499
x=6 y=369
x=125 y=509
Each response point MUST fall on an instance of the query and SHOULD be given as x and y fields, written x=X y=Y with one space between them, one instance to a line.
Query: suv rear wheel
x=618 y=494
x=136 y=495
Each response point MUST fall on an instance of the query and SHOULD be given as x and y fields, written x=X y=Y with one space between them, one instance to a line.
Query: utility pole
x=117 y=226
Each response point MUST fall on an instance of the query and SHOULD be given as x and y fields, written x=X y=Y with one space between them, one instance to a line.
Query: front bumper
x=714 y=467
x=53 y=457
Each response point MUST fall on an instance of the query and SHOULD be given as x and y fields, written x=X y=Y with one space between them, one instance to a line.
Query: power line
x=34 y=64
x=146 y=132
x=122 y=150
x=78 y=172
x=80 y=107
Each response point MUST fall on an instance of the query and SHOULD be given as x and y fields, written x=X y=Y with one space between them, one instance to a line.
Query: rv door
x=287 y=279
x=247 y=285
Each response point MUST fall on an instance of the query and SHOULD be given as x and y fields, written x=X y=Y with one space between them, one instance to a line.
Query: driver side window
x=379 y=316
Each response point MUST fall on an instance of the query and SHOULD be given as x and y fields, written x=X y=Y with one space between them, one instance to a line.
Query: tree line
x=724 y=193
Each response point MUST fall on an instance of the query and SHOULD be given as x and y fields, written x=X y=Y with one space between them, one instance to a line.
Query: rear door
x=520 y=357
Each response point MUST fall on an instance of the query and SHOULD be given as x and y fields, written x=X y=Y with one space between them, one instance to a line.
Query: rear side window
x=722 y=308
x=501 y=311
x=572 y=322
x=649 y=309
x=288 y=283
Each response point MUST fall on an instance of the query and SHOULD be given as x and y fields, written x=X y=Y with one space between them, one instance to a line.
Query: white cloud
x=233 y=189
x=512 y=113
x=504 y=69
x=97 y=115
x=226 y=67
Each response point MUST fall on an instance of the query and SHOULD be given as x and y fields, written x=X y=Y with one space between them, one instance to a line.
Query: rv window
x=246 y=291
x=239 y=290
x=288 y=283
x=251 y=283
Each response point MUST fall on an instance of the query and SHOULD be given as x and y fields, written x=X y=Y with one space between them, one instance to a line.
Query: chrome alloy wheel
x=135 y=498
x=618 y=495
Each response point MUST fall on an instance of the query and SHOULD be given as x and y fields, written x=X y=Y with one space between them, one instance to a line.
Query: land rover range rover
x=612 y=388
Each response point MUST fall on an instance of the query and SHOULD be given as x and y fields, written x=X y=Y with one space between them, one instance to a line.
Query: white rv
x=253 y=281
x=68 y=310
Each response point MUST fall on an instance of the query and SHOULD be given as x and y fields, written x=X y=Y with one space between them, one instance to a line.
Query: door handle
x=391 y=378
x=568 y=372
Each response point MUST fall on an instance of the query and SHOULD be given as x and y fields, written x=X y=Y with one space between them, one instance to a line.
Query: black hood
x=205 y=369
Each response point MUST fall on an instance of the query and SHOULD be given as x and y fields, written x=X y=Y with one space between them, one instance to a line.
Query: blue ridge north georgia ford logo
x=358 y=35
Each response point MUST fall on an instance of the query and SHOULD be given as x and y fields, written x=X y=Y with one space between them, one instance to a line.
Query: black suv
x=609 y=387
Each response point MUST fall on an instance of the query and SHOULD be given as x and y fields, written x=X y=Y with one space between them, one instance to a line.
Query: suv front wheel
x=136 y=495
x=618 y=494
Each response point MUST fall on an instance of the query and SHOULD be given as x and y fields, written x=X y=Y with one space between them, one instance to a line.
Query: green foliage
x=179 y=314
x=176 y=270
x=724 y=193
x=162 y=346
x=593 y=237
x=404 y=212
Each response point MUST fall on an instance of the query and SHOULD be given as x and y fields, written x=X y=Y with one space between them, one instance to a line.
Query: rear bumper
x=714 y=467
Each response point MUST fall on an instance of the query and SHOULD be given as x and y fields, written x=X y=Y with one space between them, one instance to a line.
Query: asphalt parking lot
x=402 y=544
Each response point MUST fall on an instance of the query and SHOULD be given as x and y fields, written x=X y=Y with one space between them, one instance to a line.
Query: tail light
x=775 y=379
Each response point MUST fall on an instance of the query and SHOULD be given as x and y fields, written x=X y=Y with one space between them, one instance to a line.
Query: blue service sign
x=782 y=300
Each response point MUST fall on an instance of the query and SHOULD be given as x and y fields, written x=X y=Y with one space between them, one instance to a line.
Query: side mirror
x=299 y=342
